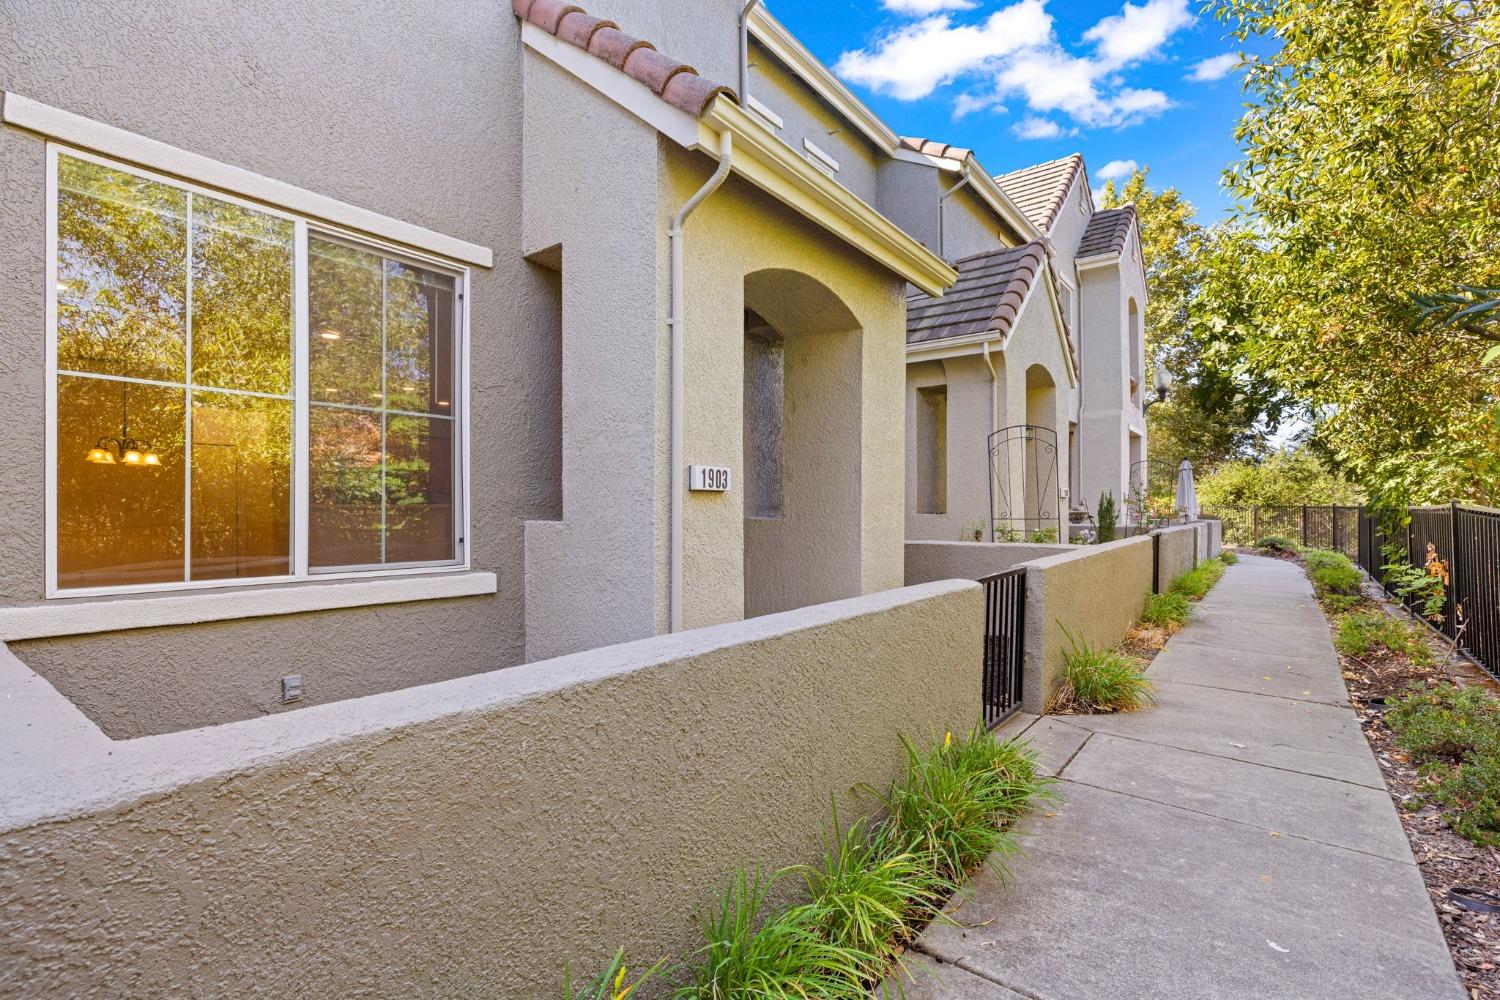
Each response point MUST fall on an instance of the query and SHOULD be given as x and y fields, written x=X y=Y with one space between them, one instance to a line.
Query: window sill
x=84 y=617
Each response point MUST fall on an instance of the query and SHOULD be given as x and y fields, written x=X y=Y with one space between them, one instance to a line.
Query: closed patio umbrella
x=1187 y=494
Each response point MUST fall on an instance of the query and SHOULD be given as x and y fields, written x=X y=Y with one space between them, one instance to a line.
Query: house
x=1024 y=380
x=346 y=355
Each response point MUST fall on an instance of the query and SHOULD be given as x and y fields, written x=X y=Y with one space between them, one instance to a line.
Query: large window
x=239 y=396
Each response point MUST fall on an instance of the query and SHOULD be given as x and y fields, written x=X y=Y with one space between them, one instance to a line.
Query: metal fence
x=1468 y=540
x=1004 y=639
x=1320 y=527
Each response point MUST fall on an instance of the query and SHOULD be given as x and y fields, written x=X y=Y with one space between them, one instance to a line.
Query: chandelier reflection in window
x=123 y=450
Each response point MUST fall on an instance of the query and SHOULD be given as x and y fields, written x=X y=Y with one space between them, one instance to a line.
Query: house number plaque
x=708 y=478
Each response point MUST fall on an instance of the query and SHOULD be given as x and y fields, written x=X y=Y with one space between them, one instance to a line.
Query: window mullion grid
x=301 y=398
x=383 y=400
x=187 y=394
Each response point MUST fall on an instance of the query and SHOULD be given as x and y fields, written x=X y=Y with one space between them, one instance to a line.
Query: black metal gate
x=1023 y=485
x=1004 y=643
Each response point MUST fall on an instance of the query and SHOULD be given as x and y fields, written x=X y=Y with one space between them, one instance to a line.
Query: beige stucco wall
x=971 y=397
x=927 y=561
x=463 y=838
x=1176 y=553
x=1099 y=591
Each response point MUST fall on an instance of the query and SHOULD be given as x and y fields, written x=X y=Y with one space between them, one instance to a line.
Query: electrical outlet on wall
x=291 y=688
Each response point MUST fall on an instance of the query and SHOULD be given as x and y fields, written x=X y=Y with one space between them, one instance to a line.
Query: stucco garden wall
x=1177 y=553
x=461 y=838
x=1098 y=591
x=928 y=561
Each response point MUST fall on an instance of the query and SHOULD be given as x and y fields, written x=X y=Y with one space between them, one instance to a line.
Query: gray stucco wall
x=463 y=838
x=909 y=195
x=927 y=561
x=1177 y=553
x=290 y=92
x=1097 y=591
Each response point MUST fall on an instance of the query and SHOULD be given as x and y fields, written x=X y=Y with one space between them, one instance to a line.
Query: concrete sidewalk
x=1236 y=840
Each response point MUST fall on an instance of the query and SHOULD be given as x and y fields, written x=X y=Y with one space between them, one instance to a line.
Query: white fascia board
x=1060 y=325
x=772 y=34
x=926 y=160
x=626 y=91
x=70 y=129
x=84 y=617
x=955 y=347
x=1099 y=260
x=776 y=168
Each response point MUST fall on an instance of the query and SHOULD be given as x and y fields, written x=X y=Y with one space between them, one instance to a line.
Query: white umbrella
x=1187 y=495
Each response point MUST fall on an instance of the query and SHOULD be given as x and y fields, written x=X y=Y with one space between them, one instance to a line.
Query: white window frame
x=303 y=226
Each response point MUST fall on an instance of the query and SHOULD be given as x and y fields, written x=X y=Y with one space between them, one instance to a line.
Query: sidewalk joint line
x=1261 y=694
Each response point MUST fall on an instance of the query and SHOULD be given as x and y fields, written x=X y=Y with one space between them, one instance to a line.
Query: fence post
x=1453 y=592
x=1304 y=526
x=1255 y=520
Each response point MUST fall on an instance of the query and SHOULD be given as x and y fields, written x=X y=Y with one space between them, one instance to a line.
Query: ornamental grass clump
x=1097 y=681
x=1168 y=611
x=876 y=885
x=614 y=983
x=1197 y=582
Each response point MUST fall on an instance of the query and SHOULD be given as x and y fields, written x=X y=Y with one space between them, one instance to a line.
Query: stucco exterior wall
x=286 y=91
x=910 y=195
x=1099 y=591
x=928 y=561
x=971 y=396
x=1176 y=553
x=463 y=838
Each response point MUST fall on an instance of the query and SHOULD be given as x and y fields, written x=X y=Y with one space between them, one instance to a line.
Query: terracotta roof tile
x=1107 y=232
x=931 y=147
x=987 y=298
x=1040 y=190
x=675 y=82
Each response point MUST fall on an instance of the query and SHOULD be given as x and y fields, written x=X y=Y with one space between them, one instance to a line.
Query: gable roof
x=991 y=289
x=1107 y=232
x=1040 y=190
x=677 y=83
x=984 y=184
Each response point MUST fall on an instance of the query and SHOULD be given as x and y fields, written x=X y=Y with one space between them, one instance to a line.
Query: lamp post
x=1161 y=380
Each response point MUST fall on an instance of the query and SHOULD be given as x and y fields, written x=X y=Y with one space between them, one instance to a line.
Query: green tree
x=1370 y=176
x=1284 y=478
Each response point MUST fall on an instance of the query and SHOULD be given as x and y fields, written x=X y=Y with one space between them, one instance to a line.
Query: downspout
x=674 y=325
x=942 y=215
x=745 y=51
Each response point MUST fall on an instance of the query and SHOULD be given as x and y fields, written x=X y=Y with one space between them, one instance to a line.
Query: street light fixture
x=1162 y=381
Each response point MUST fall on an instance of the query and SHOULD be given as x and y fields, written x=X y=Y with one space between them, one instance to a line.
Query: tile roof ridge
x=677 y=83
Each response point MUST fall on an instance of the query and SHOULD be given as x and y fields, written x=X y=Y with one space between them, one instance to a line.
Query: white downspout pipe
x=674 y=325
x=745 y=51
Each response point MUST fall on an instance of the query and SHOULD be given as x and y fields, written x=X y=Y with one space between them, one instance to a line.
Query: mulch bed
x=1445 y=859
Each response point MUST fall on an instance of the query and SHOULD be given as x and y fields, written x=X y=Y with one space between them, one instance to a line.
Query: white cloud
x=967 y=104
x=1215 y=68
x=1032 y=127
x=1116 y=169
x=1014 y=52
x=1137 y=33
x=915 y=59
x=925 y=6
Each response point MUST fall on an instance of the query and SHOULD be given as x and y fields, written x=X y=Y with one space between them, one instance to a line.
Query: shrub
x=1359 y=633
x=609 y=984
x=1229 y=557
x=1322 y=558
x=1278 y=543
x=1454 y=735
x=1333 y=573
x=1167 y=611
x=1105 y=522
x=1044 y=536
x=1197 y=582
x=1340 y=603
x=1100 y=680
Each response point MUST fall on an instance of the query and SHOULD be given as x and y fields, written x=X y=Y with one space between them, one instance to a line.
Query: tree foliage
x=1214 y=412
x=1369 y=187
x=1281 y=479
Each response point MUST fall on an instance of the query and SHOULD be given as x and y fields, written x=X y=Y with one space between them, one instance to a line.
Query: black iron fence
x=1004 y=643
x=1320 y=527
x=1467 y=540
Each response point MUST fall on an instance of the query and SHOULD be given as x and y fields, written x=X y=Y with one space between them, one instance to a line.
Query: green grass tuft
x=1197 y=582
x=1100 y=680
x=1166 y=611
x=1229 y=557
x=614 y=983
x=1360 y=633
x=1453 y=734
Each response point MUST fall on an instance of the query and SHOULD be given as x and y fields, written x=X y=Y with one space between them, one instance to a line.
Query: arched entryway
x=1041 y=489
x=801 y=443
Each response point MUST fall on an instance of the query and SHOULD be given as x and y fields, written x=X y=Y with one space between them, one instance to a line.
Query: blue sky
x=1021 y=81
